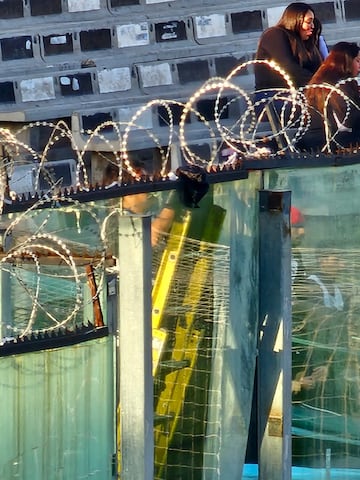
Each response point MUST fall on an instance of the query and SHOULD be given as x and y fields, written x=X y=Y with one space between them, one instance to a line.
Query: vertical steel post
x=6 y=303
x=135 y=410
x=274 y=361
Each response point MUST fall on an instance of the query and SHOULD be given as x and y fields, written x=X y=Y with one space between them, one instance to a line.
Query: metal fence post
x=135 y=411
x=5 y=302
x=274 y=362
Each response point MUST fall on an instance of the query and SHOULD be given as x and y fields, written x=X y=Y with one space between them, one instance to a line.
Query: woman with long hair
x=290 y=45
x=333 y=100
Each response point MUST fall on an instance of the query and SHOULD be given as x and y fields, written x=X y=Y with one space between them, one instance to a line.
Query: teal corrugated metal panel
x=58 y=413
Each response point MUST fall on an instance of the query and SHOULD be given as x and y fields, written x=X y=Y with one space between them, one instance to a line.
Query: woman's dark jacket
x=282 y=46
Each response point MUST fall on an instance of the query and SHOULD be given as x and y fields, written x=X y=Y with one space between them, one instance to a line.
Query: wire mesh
x=326 y=367
x=191 y=320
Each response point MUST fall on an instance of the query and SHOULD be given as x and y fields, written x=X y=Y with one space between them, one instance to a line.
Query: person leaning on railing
x=333 y=100
x=144 y=203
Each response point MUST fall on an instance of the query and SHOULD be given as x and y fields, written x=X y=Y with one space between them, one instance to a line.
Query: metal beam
x=135 y=408
x=274 y=362
x=6 y=309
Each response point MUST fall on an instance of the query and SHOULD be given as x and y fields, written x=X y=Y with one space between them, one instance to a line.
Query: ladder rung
x=162 y=418
x=179 y=310
x=172 y=365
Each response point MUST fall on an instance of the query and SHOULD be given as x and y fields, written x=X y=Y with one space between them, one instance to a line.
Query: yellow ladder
x=185 y=348
x=163 y=283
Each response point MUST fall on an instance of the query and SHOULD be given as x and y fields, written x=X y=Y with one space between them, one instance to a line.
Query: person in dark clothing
x=325 y=365
x=333 y=101
x=323 y=330
x=289 y=44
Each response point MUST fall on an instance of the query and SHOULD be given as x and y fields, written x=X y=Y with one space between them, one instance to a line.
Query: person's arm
x=275 y=45
x=161 y=224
